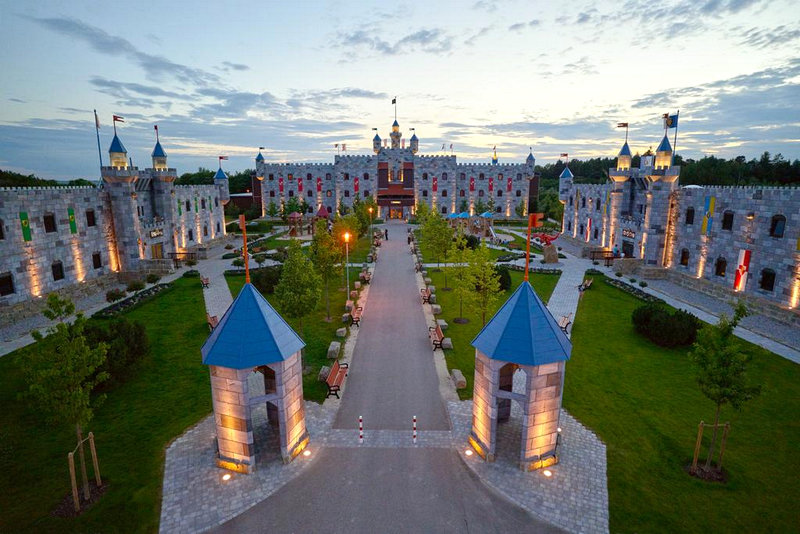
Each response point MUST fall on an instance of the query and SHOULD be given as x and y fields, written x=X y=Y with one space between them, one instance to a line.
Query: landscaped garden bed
x=132 y=301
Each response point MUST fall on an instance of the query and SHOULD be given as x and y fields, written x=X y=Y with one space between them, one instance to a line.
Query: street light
x=347 y=260
x=371 y=231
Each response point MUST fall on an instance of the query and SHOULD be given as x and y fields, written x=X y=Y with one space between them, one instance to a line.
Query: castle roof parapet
x=48 y=188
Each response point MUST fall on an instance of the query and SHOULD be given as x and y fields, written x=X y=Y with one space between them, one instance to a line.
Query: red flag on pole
x=117 y=118
x=564 y=155
x=223 y=157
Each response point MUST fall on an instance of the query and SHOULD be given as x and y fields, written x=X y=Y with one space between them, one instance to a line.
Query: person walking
x=386 y=234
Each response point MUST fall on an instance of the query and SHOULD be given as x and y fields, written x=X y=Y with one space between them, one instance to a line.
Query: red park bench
x=425 y=293
x=336 y=378
x=205 y=281
x=212 y=321
x=355 y=315
x=436 y=335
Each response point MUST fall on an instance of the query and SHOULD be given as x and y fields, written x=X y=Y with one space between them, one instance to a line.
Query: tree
x=461 y=275
x=272 y=209
x=480 y=206
x=485 y=278
x=298 y=290
x=62 y=372
x=260 y=259
x=464 y=206
x=292 y=206
x=238 y=263
x=327 y=258
x=721 y=367
x=520 y=209
x=422 y=210
x=436 y=235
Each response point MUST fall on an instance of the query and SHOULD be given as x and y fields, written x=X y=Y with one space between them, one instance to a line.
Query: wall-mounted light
x=751 y=216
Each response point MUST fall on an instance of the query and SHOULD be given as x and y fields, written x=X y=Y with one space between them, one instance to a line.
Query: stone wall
x=229 y=396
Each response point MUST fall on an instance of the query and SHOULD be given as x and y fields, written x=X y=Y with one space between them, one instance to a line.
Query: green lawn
x=430 y=257
x=643 y=401
x=462 y=356
x=317 y=334
x=167 y=394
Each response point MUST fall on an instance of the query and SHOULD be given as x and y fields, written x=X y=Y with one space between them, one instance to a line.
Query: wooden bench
x=564 y=322
x=336 y=378
x=355 y=316
x=425 y=293
x=212 y=321
x=585 y=285
x=436 y=335
x=417 y=267
x=204 y=281
x=365 y=276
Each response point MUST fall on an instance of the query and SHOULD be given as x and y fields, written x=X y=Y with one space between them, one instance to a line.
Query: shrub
x=505 y=278
x=595 y=263
x=228 y=256
x=619 y=274
x=266 y=278
x=228 y=246
x=632 y=280
x=191 y=274
x=191 y=263
x=663 y=328
x=128 y=345
x=642 y=284
x=473 y=242
x=152 y=278
x=135 y=285
x=114 y=295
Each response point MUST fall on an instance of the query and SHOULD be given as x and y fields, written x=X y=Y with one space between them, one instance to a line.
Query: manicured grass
x=167 y=394
x=462 y=355
x=429 y=257
x=643 y=401
x=317 y=333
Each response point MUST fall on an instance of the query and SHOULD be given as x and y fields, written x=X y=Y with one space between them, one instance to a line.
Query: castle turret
x=414 y=144
x=565 y=183
x=530 y=161
x=396 y=135
x=664 y=154
x=158 y=155
x=117 y=154
x=376 y=143
x=221 y=181
x=624 y=158
x=259 y=157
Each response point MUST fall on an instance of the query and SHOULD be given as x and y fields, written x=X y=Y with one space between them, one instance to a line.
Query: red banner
x=472 y=183
x=491 y=184
x=355 y=184
x=435 y=184
x=280 y=185
x=741 y=271
x=508 y=185
x=299 y=185
x=319 y=185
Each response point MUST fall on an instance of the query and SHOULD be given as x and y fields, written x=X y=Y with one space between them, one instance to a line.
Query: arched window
x=689 y=216
x=330 y=210
x=425 y=193
x=202 y=203
x=569 y=226
x=583 y=202
x=424 y=175
x=481 y=176
x=685 y=257
x=519 y=176
x=727 y=220
x=778 y=226
x=595 y=233
x=499 y=192
x=310 y=193
x=444 y=192
x=347 y=194
x=291 y=193
x=271 y=177
x=205 y=229
x=327 y=177
x=366 y=176
x=291 y=176
x=328 y=193
x=444 y=176
x=462 y=193
x=347 y=176
x=444 y=210
x=570 y=201
x=720 y=266
x=581 y=230
x=498 y=210
x=463 y=176
x=597 y=205
x=767 y=282
x=308 y=176
x=480 y=193
x=188 y=206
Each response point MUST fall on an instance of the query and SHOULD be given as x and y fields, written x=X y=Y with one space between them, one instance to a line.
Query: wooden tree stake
x=697 y=447
x=75 y=498
x=94 y=460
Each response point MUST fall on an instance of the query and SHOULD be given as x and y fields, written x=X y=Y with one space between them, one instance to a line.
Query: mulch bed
x=66 y=508
x=709 y=475
x=122 y=305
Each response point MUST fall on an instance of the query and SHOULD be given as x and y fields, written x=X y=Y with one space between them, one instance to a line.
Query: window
x=310 y=194
x=328 y=194
x=58 y=270
x=216 y=202
x=462 y=193
x=188 y=206
x=272 y=194
x=191 y=236
x=463 y=176
x=290 y=176
x=424 y=175
x=583 y=202
x=499 y=192
x=90 y=220
x=689 y=216
x=569 y=226
x=444 y=176
x=500 y=177
x=330 y=210
x=720 y=266
x=97 y=261
x=347 y=176
x=570 y=201
x=366 y=193
x=767 y=282
x=685 y=257
x=217 y=227
x=49 y=223
x=498 y=209
x=519 y=193
x=424 y=192
x=328 y=177
x=6 y=284
x=444 y=210
x=480 y=193
x=597 y=205
x=444 y=192
x=2 y=231
x=347 y=194
x=481 y=176
x=366 y=176
x=291 y=193
x=519 y=176
x=271 y=177
x=202 y=203
x=595 y=233
x=727 y=220
x=308 y=176
x=581 y=230
x=777 y=227
x=205 y=229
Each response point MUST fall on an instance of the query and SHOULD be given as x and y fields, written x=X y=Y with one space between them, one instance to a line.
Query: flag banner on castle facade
x=491 y=184
x=740 y=280
x=196 y=205
x=508 y=185
x=355 y=184
x=588 y=228
x=73 y=227
x=471 y=184
x=319 y=184
x=435 y=185
x=26 y=225
x=708 y=216
x=605 y=204
x=180 y=211
x=300 y=185
x=280 y=185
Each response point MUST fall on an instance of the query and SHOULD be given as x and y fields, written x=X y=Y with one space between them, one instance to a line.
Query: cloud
x=481 y=32
x=228 y=66
x=519 y=26
x=18 y=100
x=431 y=41
x=486 y=5
x=155 y=67
x=124 y=89
x=770 y=37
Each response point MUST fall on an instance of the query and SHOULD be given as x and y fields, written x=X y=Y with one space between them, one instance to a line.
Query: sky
x=224 y=78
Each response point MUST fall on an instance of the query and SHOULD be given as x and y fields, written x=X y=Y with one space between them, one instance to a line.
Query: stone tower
x=376 y=143
x=414 y=143
x=163 y=179
x=396 y=135
x=119 y=182
x=221 y=181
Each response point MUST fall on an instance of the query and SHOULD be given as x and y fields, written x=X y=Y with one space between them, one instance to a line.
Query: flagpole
x=97 y=131
x=675 y=142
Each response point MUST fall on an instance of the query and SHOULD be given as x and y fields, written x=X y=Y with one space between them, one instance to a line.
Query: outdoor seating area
x=205 y=281
x=436 y=336
x=335 y=378
x=425 y=293
x=355 y=315
x=586 y=284
x=565 y=322
x=212 y=321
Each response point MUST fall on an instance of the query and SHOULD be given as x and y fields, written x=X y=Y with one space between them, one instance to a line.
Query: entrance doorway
x=157 y=251
x=395 y=213
x=627 y=248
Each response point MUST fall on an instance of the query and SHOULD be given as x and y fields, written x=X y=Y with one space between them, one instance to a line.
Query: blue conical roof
x=625 y=150
x=523 y=331
x=259 y=158
x=158 y=152
x=664 y=146
x=530 y=158
x=395 y=123
x=376 y=138
x=251 y=333
x=117 y=146
x=414 y=137
x=566 y=173
x=220 y=175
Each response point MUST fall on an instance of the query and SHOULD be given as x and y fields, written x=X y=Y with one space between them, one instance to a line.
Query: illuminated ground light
x=306 y=452
x=468 y=452
x=226 y=477
x=547 y=473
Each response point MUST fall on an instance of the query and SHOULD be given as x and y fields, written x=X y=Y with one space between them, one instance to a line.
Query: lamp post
x=347 y=260
x=371 y=231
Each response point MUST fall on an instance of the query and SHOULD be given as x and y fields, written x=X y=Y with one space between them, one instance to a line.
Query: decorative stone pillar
x=290 y=407
x=541 y=409
x=229 y=395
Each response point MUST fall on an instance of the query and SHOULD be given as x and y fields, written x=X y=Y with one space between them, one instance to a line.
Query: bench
x=355 y=316
x=585 y=285
x=564 y=322
x=365 y=276
x=417 y=267
x=204 y=281
x=336 y=378
x=436 y=335
x=212 y=321
x=425 y=293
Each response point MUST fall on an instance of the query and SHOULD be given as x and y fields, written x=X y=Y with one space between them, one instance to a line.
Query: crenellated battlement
x=48 y=188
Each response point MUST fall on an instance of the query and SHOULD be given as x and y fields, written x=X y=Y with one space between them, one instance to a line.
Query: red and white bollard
x=360 y=430
x=414 y=434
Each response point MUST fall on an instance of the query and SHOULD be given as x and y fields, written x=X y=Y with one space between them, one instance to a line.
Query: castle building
x=725 y=241
x=74 y=239
x=397 y=178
